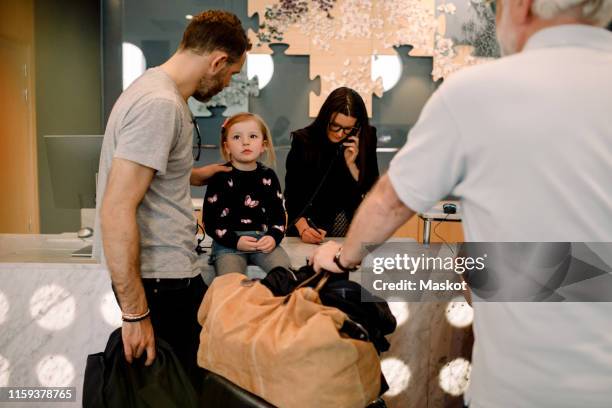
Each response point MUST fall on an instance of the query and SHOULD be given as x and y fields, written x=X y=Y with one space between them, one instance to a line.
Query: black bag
x=110 y=381
x=372 y=314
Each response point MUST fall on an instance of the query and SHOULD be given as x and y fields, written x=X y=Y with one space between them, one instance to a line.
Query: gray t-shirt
x=150 y=124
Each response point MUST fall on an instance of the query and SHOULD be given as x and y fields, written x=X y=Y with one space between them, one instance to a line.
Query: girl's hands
x=266 y=244
x=247 y=244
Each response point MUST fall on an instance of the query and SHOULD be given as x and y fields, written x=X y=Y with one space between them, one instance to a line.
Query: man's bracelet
x=133 y=318
x=342 y=267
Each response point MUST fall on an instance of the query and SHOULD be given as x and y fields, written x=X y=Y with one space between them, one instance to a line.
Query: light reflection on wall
x=387 y=67
x=400 y=311
x=4 y=307
x=5 y=371
x=111 y=313
x=55 y=371
x=134 y=63
x=260 y=66
x=454 y=377
x=397 y=374
x=53 y=307
x=459 y=314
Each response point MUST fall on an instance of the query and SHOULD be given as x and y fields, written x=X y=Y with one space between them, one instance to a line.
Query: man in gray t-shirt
x=151 y=125
x=145 y=231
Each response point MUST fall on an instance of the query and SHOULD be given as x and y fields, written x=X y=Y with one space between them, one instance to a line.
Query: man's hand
x=201 y=175
x=323 y=257
x=247 y=244
x=127 y=184
x=380 y=214
x=137 y=338
x=266 y=244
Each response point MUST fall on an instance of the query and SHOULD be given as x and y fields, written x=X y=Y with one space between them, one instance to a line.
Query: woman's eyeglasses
x=348 y=131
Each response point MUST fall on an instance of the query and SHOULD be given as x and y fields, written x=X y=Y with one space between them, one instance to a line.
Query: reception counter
x=55 y=310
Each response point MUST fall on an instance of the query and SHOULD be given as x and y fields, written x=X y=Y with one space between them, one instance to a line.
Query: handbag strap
x=317 y=288
x=316 y=191
x=320 y=284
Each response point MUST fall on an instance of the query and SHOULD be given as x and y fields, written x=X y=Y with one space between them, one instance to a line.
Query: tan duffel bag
x=288 y=350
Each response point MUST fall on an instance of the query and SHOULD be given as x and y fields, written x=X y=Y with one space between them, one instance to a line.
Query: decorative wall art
x=235 y=97
x=465 y=36
x=342 y=36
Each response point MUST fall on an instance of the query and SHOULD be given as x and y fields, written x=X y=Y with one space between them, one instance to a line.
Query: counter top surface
x=54 y=249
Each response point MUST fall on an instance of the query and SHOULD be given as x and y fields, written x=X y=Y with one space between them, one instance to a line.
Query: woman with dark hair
x=330 y=167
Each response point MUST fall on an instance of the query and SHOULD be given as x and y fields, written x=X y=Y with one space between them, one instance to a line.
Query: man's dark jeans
x=174 y=305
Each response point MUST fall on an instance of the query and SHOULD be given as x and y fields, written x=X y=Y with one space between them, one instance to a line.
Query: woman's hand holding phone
x=351 y=151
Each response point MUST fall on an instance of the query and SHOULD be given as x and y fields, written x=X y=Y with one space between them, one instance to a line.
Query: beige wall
x=19 y=207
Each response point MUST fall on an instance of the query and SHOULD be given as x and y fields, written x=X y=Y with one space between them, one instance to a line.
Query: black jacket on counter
x=310 y=157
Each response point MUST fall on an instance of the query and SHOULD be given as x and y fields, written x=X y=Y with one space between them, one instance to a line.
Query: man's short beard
x=208 y=88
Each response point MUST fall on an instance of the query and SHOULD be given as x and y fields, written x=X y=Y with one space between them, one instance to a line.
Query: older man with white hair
x=526 y=143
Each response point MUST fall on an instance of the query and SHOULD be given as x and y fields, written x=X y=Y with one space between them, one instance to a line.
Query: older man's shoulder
x=485 y=75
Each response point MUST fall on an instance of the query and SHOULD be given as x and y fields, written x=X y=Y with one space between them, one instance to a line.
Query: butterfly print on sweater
x=250 y=202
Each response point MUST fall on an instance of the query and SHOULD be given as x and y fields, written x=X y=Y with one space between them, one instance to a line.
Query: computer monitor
x=73 y=164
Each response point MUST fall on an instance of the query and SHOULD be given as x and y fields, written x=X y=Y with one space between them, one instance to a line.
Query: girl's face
x=340 y=127
x=244 y=143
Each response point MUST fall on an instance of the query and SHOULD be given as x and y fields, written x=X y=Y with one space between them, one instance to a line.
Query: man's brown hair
x=216 y=30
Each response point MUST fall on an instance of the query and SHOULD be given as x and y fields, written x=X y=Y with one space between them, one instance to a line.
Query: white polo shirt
x=526 y=143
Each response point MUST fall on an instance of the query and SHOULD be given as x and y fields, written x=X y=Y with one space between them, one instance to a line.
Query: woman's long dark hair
x=348 y=102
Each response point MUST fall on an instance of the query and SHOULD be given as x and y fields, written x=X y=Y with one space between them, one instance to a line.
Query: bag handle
x=317 y=288
x=320 y=285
